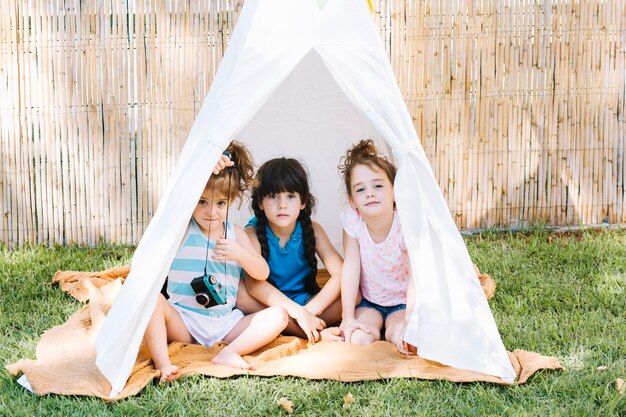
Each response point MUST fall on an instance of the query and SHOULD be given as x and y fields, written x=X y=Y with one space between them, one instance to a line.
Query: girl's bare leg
x=246 y=302
x=293 y=329
x=251 y=333
x=374 y=322
x=332 y=317
x=165 y=326
x=332 y=314
x=331 y=334
x=394 y=325
x=250 y=305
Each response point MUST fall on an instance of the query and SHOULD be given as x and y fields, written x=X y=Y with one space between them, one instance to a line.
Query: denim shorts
x=383 y=310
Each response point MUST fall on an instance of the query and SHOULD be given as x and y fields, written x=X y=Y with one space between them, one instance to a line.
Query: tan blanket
x=66 y=354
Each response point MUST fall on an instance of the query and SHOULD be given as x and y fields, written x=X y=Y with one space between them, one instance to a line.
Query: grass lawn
x=560 y=295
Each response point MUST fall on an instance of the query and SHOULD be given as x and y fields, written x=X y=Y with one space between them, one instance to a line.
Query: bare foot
x=332 y=334
x=169 y=373
x=232 y=359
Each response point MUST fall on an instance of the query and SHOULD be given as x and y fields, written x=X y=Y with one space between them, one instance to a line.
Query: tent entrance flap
x=310 y=118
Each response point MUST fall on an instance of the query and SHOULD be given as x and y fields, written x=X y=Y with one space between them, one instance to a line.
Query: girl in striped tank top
x=181 y=317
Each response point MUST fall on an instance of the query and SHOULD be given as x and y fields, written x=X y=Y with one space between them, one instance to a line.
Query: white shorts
x=208 y=330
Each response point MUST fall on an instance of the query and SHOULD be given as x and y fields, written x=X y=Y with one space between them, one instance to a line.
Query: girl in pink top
x=375 y=256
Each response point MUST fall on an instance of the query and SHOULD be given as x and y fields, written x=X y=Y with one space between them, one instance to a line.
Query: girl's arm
x=243 y=252
x=333 y=263
x=350 y=276
x=269 y=295
x=407 y=348
x=410 y=296
x=272 y=296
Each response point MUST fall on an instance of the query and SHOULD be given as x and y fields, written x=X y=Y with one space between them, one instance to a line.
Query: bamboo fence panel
x=519 y=105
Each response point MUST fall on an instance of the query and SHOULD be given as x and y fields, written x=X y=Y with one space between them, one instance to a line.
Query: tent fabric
x=65 y=362
x=306 y=81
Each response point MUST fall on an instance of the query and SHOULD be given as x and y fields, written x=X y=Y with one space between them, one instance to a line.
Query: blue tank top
x=288 y=266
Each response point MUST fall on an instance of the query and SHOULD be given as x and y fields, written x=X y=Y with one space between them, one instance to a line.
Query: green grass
x=557 y=295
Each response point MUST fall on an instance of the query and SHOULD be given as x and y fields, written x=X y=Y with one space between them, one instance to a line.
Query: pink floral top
x=384 y=265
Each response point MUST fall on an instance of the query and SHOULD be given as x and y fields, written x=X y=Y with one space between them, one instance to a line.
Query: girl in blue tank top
x=282 y=231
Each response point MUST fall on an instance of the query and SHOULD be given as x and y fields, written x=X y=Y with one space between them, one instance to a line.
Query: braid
x=261 y=218
x=308 y=238
x=261 y=230
x=261 y=234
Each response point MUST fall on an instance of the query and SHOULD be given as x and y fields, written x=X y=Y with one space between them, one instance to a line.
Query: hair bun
x=363 y=150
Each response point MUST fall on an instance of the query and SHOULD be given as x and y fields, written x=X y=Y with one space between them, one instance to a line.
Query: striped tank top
x=189 y=264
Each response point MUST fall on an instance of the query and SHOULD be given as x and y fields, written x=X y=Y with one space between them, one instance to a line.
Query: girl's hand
x=310 y=324
x=348 y=326
x=404 y=347
x=331 y=334
x=222 y=163
x=227 y=250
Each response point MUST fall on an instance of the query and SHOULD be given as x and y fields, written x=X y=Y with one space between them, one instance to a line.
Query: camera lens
x=202 y=299
x=212 y=279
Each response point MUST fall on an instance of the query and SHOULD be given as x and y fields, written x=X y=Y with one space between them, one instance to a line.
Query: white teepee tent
x=306 y=79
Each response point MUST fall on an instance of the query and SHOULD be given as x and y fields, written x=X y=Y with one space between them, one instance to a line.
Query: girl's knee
x=277 y=314
x=394 y=332
x=392 y=335
x=359 y=337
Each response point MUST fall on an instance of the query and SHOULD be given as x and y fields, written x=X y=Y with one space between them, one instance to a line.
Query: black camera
x=208 y=291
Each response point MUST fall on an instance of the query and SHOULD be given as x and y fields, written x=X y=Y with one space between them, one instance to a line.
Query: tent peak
x=321 y=3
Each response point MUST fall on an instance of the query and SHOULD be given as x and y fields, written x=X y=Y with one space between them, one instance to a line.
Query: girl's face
x=371 y=192
x=282 y=209
x=210 y=214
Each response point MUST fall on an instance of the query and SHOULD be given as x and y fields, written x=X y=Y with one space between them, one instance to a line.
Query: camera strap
x=230 y=174
x=208 y=241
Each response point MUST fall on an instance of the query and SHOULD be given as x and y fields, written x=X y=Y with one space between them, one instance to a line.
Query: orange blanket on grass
x=66 y=354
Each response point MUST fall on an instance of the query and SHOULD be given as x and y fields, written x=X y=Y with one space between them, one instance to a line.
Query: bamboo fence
x=519 y=105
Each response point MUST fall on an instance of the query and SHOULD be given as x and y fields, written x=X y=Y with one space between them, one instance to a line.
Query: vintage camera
x=208 y=291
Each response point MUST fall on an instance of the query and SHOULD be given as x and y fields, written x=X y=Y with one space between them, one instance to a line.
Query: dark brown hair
x=286 y=175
